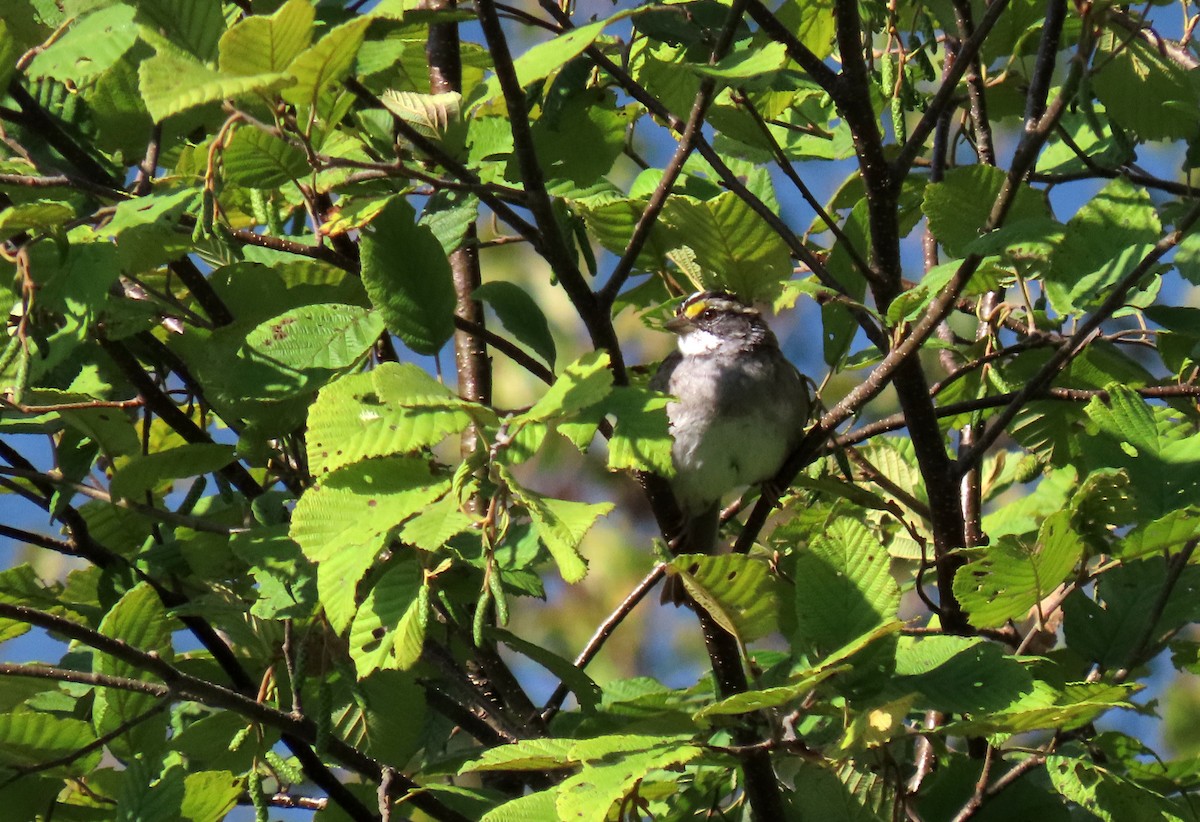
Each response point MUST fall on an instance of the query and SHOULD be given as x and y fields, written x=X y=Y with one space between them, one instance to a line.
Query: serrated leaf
x=801 y=682
x=589 y=795
x=436 y=524
x=432 y=115
x=325 y=62
x=355 y=508
x=160 y=207
x=28 y=738
x=139 y=620
x=1071 y=706
x=958 y=674
x=560 y=525
x=171 y=82
x=583 y=383
x=958 y=207
x=310 y=337
x=738 y=591
x=586 y=691
x=1012 y=577
x=520 y=314
x=395 y=409
x=1145 y=91
x=641 y=437
x=1110 y=629
x=1158 y=450
x=89 y=48
x=1169 y=533
x=36 y=215
x=260 y=45
x=408 y=278
x=1107 y=795
x=844 y=586
x=257 y=159
x=1106 y=238
x=524 y=755
x=389 y=629
x=543 y=58
x=734 y=247
x=149 y=472
x=209 y=796
x=196 y=28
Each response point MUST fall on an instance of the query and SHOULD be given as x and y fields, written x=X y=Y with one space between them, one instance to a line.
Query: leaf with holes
x=738 y=591
x=395 y=409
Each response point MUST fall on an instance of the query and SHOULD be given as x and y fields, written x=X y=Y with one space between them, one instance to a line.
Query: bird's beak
x=678 y=325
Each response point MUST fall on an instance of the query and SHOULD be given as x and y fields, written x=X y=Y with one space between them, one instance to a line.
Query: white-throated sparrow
x=740 y=409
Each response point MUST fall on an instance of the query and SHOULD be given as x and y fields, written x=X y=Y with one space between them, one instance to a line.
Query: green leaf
x=1106 y=238
x=1107 y=795
x=387 y=734
x=1167 y=534
x=641 y=437
x=1145 y=91
x=738 y=591
x=355 y=508
x=150 y=472
x=520 y=314
x=28 y=739
x=315 y=337
x=958 y=207
x=1156 y=449
x=389 y=629
x=844 y=586
x=958 y=674
x=436 y=524
x=395 y=409
x=586 y=691
x=812 y=22
x=745 y=63
x=89 y=48
x=1012 y=577
x=820 y=792
x=735 y=249
x=1110 y=630
x=139 y=620
x=590 y=794
x=524 y=755
x=209 y=796
x=37 y=215
x=538 y=805
x=583 y=383
x=408 y=278
x=432 y=115
x=561 y=525
x=542 y=59
x=325 y=63
x=261 y=45
x=799 y=683
x=1071 y=706
x=257 y=159
x=157 y=208
x=196 y=28
x=171 y=82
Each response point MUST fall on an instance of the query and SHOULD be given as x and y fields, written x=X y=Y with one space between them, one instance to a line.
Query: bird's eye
x=708 y=314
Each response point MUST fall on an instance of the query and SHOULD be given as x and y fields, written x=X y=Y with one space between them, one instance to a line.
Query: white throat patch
x=698 y=342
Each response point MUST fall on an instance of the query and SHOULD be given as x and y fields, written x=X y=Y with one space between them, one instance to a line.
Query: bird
x=739 y=409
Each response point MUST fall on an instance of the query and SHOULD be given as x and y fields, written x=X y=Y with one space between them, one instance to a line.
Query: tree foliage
x=275 y=557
